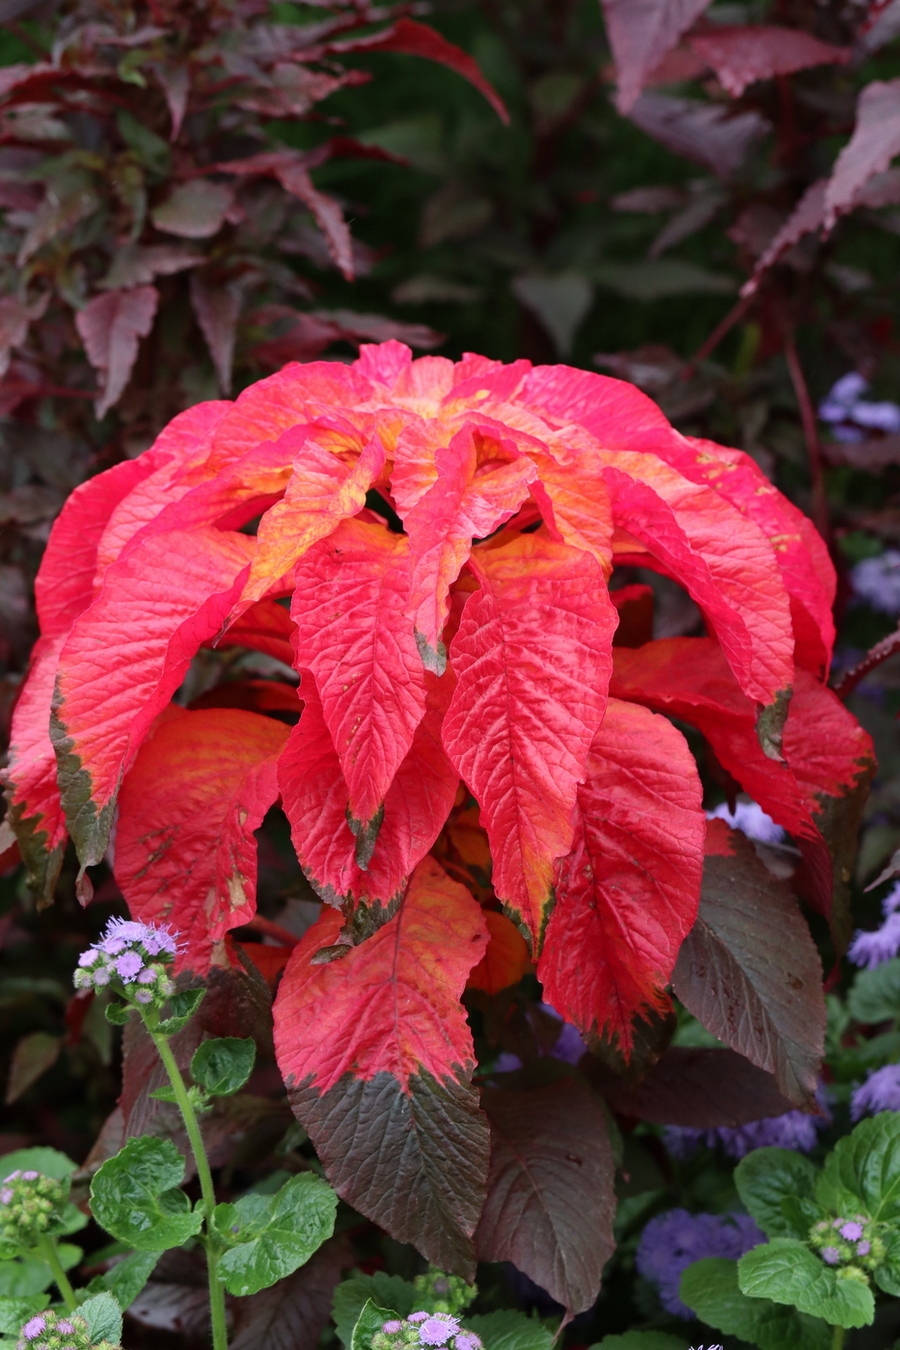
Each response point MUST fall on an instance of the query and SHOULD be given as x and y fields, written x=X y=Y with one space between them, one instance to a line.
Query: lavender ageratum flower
x=851 y=1231
x=418 y=1316
x=750 y=818
x=872 y=949
x=34 y=1328
x=130 y=952
x=849 y=412
x=155 y=938
x=877 y=581
x=831 y=1256
x=673 y=1241
x=795 y=1130
x=880 y=1092
x=863 y=1248
x=392 y=1326
x=128 y=965
x=438 y=1329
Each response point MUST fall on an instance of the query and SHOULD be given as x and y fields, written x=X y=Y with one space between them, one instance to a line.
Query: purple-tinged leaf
x=216 y=308
x=641 y=32
x=137 y=264
x=706 y=132
x=807 y=215
x=295 y=179
x=874 y=143
x=110 y=327
x=194 y=210
x=740 y=56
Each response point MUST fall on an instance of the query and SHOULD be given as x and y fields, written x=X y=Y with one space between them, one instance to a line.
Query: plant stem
x=204 y=1176
x=47 y=1249
x=837 y=1338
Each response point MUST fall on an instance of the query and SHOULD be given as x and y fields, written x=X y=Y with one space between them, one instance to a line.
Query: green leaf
x=711 y=1288
x=352 y=1294
x=104 y=1318
x=223 y=1066
x=117 y=1013
x=49 y=1161
x=24 y=1277
x=273 y=1234
x=15 y=1311
x=369 y=1322
x=788 y=1272
x=766 y=1178
x=134 y=1196
x=875 y=996
x=181 y=1009
x=508 y=1330
x=863 y=1170
x=640 y=1340
x=125 y=1279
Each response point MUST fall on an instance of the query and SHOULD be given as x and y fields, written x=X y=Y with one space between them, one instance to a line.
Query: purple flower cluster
x=795 y=1130
x=851 y=1243
x=675 y=1240
x=436 y=1329
x=131 y=954
x=752 y=819
x=883 y=944
x=877 y=581
x=851 y=415
x=58 y=1331
x=880 y=1092
x=29 y=1205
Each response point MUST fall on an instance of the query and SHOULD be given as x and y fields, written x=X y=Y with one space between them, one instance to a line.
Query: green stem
x=837 y=1338
x=47 y=1249
x=204 y=1176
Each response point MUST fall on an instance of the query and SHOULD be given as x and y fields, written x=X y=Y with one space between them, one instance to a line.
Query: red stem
x=874 y=657
x=733 y=316
x=819 y=510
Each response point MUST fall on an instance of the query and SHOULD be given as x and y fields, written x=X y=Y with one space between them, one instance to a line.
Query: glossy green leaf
x=49 y=1161
x=875 y=996
x=135 y=1196
x=509 y=1330
x=117 y=1014
x=104 y=1318
x=15 y=1311
x=768 y=1176
x=273 y=1234
x=182 y=1007
x=786 y=1271
x=370 y=1321
x=387 y=1291
x=222 y=1066
x=710 y=1287
x=126 y=1278
x=863 y=1170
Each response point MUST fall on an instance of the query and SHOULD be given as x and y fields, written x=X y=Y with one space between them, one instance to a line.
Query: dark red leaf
x=110 y=327
x=216 y=307
x=807 y=215
x=874 y=143
x=551 y=1200
x=641 y=32
x=706 y=132
x=294 y=178
x=739 y=56
x=293 y=1313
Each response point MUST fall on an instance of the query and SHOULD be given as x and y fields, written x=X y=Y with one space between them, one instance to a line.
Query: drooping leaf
x=766 y=1177
x=739 y=56
x=506 y=959
x=710 y=1287
x=270 y=1236
x=786 y=1271
x=561 y=302
x=110 y=327
x=641 y=34
x=355 y=637
x=264 y=626
x=327 y=213
x=185 y=853
x=531 y=659
x=627 y=893
x=135 y=1196
x=216 y=308
x=550 y=1202
x=315 y=796
x=375 y=1049
x=749 y=970
x=112 y=681
x=874 y=143
x=33 y=1055
x=706 y=132
x=222 y=1066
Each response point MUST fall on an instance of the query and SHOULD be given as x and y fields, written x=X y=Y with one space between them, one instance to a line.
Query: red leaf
x=807 y=215
x=551 y=1197
x=327 y=213
x=828 y=757
x=627 y=893
x=216 y=306
x=375 y=1049
x=322 y=491
x=874 y=143
x=110 y=326
x=532 y=657
x=706 y=132
x=478 y=485
x=739 y=56
x=505 y=960
x=641 y=32
x=185 y=853
x=264 y=627
x=315 y=796
x=417 y=39
x=114 y=678
x=355 y=637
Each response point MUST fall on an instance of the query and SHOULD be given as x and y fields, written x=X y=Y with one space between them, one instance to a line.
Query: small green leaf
x=104 y=1318
x=223 y=1066
x=788 y=1272
x=135 y=1196
x=352 y=1294
x=117 y=1013
x=766 y=1178
x=166 y=1093
x=273 y=1234
x=710 y=1287
x=863 y=1170
x=875 y=996
x=509 y=1330
x=181 y=1009
x=28 y=1275
x=15 y=1311
x=49 y=1161
x=369 y=1322
x=126 y=1278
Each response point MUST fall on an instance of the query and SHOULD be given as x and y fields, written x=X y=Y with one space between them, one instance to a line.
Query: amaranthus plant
x=435 y=556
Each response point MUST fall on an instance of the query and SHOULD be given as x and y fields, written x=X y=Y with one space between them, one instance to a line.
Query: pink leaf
x=295 y=179
x=874 y=143
x=110 y=326
x=740 y=56
x=641 y=32
x=216 y=307
x=706 y=132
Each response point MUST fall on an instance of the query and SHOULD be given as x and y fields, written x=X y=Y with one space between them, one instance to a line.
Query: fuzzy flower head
x=794 y=1130
x=444 y=1293
x=58 y=1331
x=440 y=1330
x=675 y=1240
x=852 y=415
x=877 y=581
x=850 y=1242
x=880 y=1092
x=882 y=944
x=30 y=1207
x=750 y=818
x=133 y=958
